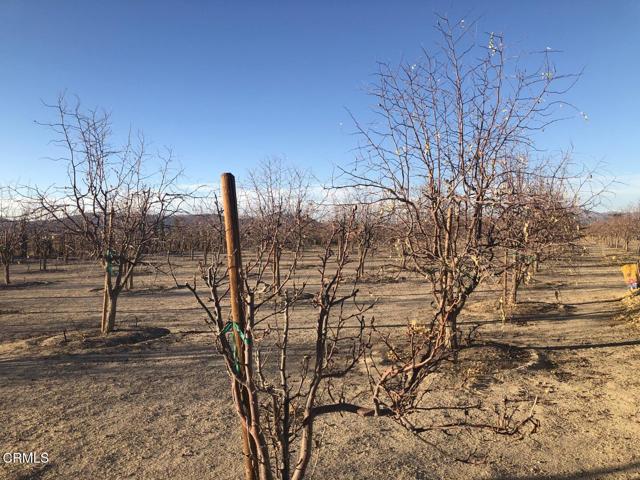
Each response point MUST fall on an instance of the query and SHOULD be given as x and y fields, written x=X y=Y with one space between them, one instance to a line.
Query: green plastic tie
x=227 y=328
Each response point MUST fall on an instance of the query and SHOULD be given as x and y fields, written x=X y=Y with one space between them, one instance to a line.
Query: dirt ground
x=154 y=403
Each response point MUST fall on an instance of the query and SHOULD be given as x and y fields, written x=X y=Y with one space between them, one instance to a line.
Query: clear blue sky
x=226 y=84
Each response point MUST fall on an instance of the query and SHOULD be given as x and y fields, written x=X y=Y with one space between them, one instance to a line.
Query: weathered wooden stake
x=234 y=262
x=234 y=256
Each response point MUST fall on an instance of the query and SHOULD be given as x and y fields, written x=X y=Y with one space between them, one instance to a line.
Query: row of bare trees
x=448 y=173
x=619 y=229
x=23 y=237
x=279 y=392
x=11 y=232
x=448 y=177
x=543 y=222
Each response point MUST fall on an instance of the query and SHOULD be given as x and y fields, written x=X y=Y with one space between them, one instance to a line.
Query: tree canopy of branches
x=280 y=211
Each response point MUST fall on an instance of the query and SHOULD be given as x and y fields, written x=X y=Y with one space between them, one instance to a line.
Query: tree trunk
x=451 y=330
x=514 y=289
x=105 y=306
x=206 y=254
x=304 y=455
x=276 y=267
x=129 y=281
x=516 y=279
x=515 y=284
x=111 y=314
x=505 y=277
x=109 y=303
x=362 y=254
x=7 y=279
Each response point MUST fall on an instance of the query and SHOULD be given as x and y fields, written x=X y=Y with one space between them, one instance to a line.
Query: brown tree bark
x=111 y=314
x=109 y=304
x=513 y=297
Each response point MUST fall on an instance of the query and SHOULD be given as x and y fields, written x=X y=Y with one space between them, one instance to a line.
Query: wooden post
x=234 y=255
x=234 y=262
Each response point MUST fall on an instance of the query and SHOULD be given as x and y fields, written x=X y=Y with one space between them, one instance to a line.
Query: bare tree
x=542 y=223
x=42 y=242
x=618 y=229
x=278 y=402
x=450 y=126
x=111 y=201
x=12 y=224
x=280 y=209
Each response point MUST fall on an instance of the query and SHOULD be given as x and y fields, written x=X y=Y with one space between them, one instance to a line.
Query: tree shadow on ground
x=21 y=285
x=47 y=365
x=581 y=346
x=34 y=474
x=625 y=343
x=555 y=317
x=593 y=474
